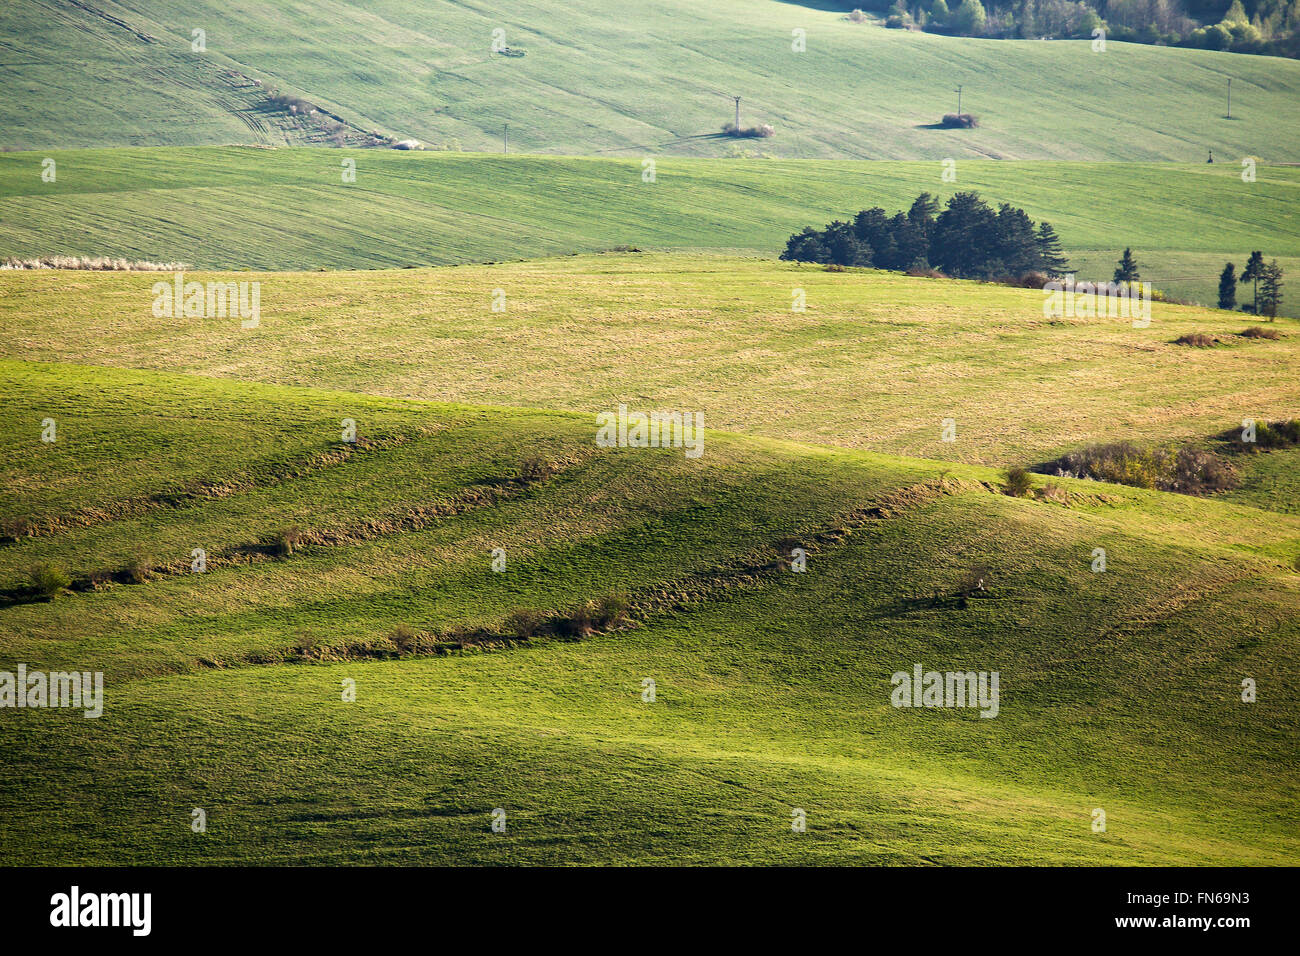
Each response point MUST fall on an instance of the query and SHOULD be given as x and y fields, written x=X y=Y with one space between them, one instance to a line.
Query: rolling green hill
x=291 y=209
x=876 y=361
x=391 y=480
x=1119 y=691
x=650 y=77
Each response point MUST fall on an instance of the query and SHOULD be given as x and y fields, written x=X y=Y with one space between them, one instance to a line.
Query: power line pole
x=959 y=99
x=505 y=139
x=737 y=99
x=1229 y=97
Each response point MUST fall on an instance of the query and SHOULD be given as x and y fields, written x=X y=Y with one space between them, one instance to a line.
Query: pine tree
x=1015 y=242
x=1127 y=271
x=1049 y=249
x=1253 y=272
x=1228 y=287
x=923 y=211
x=1271 y=298
x=806 y=246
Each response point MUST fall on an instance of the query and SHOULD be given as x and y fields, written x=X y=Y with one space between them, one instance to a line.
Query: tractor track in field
x=108 y=18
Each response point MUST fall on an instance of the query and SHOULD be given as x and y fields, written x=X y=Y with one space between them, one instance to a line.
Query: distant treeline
x=967 y=240
x=1242 y=26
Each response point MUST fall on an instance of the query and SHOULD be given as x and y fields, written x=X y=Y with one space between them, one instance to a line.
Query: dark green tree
x=844 y=247
x=1228 y=287
x=924 y=209
x=805 y=246
x=964 y=242
x=1253 y=272
x=1127 y=270
x=911 y=246
x=1049 y=250
x=872 y=227
x=1017 y=246
x=1270 y=297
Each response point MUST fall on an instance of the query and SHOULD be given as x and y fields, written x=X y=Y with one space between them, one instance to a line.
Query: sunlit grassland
x=877 y=361
x=1119 y=690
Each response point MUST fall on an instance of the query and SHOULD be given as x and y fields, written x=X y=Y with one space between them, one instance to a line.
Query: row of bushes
x=1185 y=470
x=521 y=626
x=582 y=621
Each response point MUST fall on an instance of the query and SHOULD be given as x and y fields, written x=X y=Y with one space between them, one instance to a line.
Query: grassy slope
x=877 y=361
x=651 y=75
x=289 y=209
x=1119 y=690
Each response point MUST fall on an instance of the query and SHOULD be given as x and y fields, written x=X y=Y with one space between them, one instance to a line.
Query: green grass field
x=1119 y=690
x=290 y=209
x=652 y=76
x=238 y=525
x=877 y=361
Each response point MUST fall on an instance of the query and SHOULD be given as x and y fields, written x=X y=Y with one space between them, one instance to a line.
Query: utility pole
x=737 y=99
x=505 y=139
x=1229 y=97
x=959 y=100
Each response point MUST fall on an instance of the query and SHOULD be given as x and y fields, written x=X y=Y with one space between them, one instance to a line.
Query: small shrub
x=13 y=530
x=290 y=104
x=537 y=468
x=404 y=638
x=137 y=570
x=925 y=272
x=1268 y=435
x=610 y=611
x=1278 y=434
x=98 y=580
x=307 y=646
x=1017 y=481
x=761 y=131
x=286 y=540
x=975 y=582
x=1030 y=280
x=1053 y=492
x=785 y=547
x=960 y=121
x=523 y=624
x=833 y=267
x=857 y=16
x=1197 y=339
x=1199 y=472
x=1256 y=332
x=49 y=581
x=576 y=624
